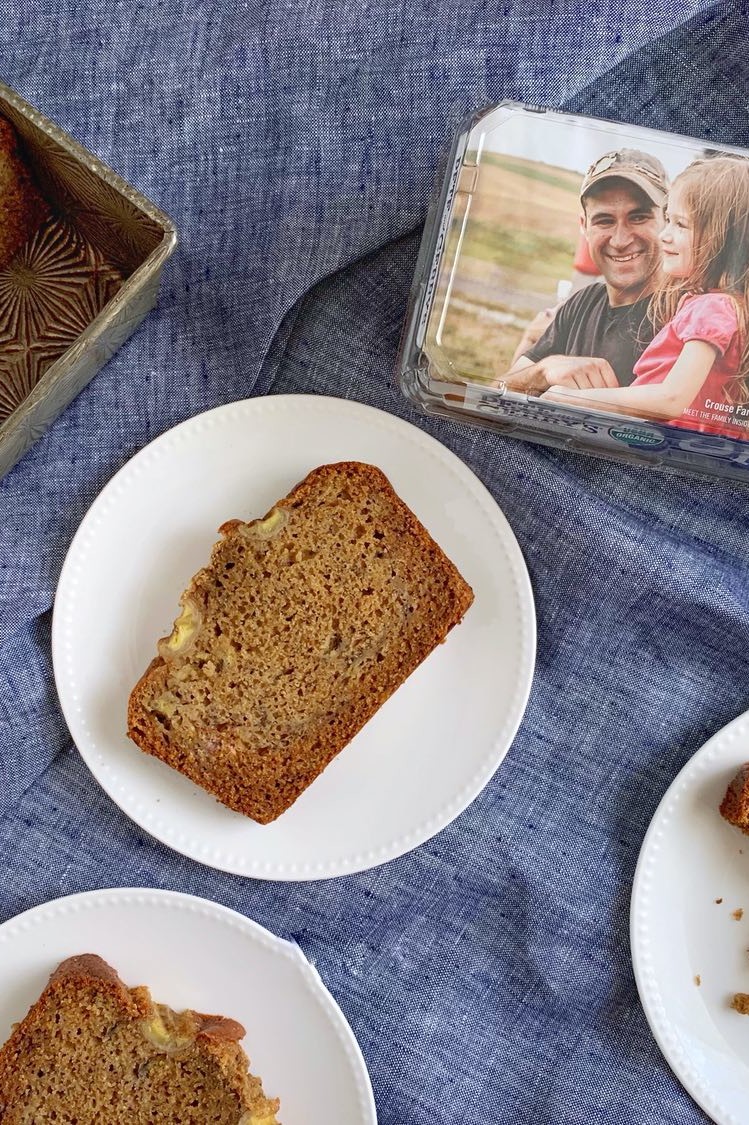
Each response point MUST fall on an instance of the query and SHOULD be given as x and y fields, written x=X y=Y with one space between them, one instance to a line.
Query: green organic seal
x=639 y=437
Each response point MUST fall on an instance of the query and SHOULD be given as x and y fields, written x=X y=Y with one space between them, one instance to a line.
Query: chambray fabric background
x=487 y=974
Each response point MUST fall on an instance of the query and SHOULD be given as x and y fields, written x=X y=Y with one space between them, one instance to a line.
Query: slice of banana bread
x=91 y=1050
x=298 y=630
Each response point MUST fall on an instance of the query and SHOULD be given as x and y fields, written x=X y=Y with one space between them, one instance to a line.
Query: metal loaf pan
x=78 y=287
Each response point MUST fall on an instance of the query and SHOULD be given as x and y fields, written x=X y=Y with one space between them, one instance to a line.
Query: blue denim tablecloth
x=487 y=974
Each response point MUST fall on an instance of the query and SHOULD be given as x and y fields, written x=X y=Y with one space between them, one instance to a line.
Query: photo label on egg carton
x=585 y=284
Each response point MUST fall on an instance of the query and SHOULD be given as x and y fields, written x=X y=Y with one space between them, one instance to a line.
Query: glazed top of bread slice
x=91 y=1050
x=303 y=623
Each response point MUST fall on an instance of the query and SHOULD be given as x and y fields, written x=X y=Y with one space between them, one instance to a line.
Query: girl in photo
x=695 y=372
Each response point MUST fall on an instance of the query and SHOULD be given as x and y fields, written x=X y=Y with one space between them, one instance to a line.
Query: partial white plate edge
x=699 y=1089
x=182 y=900
x=526 y=654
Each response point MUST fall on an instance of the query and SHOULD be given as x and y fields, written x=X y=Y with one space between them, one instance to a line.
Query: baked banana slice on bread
x=299 y=628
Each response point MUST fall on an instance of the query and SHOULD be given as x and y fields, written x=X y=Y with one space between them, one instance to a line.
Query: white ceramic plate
x=690 y=857
x=425 y=755
x=195 y=954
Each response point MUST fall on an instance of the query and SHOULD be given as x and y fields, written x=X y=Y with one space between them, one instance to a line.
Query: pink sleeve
x=710 y=317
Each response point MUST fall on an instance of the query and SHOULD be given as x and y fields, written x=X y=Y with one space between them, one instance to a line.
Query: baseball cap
x=631 y=164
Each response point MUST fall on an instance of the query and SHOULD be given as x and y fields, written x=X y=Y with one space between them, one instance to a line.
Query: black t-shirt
x=586 y=324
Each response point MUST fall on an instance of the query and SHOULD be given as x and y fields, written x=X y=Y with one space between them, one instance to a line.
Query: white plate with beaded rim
x=423 y=757
x=690 y=929
x=193 y=953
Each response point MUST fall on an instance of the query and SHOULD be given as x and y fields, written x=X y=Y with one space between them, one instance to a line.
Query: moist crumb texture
x=92 y=1051
x=735 y=805
x=298 y=630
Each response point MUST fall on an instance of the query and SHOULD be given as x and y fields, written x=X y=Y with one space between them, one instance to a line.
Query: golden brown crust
x=90 y=1043
x=336 y=556
x=87 y=967
x=219 y=1028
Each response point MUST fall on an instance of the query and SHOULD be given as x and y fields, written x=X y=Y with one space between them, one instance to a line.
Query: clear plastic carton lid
x=585 y=283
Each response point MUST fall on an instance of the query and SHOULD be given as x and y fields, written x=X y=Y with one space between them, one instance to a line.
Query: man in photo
x=695 y=371
x=599 y=333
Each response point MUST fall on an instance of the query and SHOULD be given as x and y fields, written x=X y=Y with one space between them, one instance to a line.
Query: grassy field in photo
x=518 y=242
